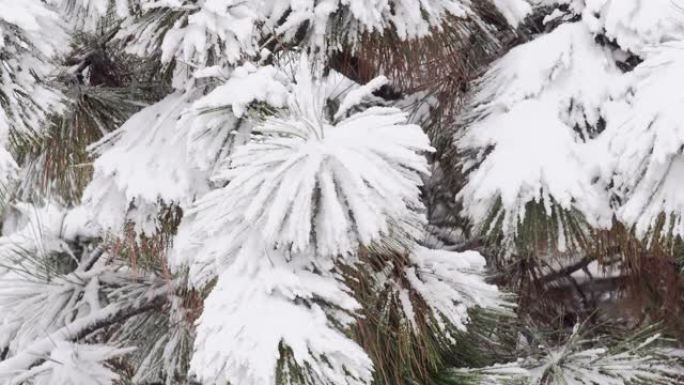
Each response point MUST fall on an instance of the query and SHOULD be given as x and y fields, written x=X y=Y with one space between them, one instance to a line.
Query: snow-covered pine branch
x=643 y=358
x=75 y=364
x=644 y=135
x=309 y=189
x=133 y=179
x=31 y=36
x=88 y=14
x=210 y=32
x=267 y=226
x=139 y=165
x=306 y=182
x=259 y=304
x=526 y=133
x=634 y=25
x=55 y=291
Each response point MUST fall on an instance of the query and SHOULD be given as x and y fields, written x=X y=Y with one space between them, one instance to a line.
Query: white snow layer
x=232 y=29
x=525 y=110
x=535 y=129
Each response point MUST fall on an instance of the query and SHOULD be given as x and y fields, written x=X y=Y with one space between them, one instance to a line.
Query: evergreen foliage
x=325 y=192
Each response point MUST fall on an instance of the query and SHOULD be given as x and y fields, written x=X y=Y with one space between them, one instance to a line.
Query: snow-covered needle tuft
x=305 y=181
x=268 y=318
x=526 y=130
x=645 y=135
x=643 y=358
x=78 y=364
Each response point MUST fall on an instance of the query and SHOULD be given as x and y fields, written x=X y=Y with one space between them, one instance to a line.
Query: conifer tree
x=324 y=192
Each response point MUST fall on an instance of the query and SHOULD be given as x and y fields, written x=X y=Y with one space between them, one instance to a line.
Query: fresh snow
x=283 y=177
x=526 y=109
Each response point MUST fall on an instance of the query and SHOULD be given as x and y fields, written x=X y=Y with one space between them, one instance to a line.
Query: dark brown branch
x=567 y=271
